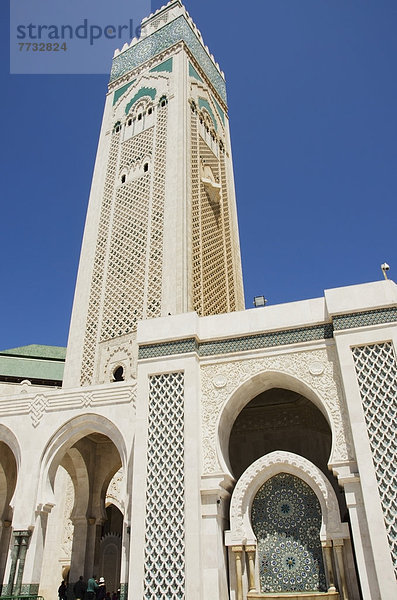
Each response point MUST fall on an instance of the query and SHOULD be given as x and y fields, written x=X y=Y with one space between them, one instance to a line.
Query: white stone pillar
x=361 y=538
x=214 y=507
x=77 y=563
x=338 y=546
x=34 y=553
x=90 y=546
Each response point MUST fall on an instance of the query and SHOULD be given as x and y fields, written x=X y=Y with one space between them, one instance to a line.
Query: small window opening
x=150 y=110
x=118 y=374
x=140 y=117
x=163 y=101
x=117 y=127
x=129 y=122
x=146 y=167
x=123 y=179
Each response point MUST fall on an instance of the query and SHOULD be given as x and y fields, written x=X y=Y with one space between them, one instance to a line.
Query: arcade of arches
x=82 y=534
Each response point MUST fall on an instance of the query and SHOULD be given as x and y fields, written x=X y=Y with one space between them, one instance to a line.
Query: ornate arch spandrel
x=228 y=386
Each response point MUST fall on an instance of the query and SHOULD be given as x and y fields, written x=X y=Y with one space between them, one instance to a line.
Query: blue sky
x=312 y=93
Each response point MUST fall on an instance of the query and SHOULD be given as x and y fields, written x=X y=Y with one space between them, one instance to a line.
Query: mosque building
x=183 y=447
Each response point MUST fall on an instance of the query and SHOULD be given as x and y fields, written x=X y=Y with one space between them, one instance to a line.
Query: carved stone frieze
x=324 y=382
x=38 y=405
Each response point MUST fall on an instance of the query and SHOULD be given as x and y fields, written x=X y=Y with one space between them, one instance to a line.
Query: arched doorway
x=282 y=419
x=110 y=548
x=8 y=479
x=285 y=526
x=78 y=477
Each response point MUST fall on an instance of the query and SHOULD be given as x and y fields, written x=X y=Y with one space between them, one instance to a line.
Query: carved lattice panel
x=165 y=495
x=376 y=370
x=214 y=286
x=92 y=322
x=126 y=283
x=154 y=291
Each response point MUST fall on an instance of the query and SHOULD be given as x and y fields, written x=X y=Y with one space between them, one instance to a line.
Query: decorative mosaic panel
x=179 y=347
x=164 y=577
x=286 y=519
x=249 y=342
x=376 y=370
x=176 y=31
x=361 y=319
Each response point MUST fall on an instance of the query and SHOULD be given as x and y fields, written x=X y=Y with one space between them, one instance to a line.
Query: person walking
x=79 y=588
x=92 y=587
x=62 y=591
x=101 y=591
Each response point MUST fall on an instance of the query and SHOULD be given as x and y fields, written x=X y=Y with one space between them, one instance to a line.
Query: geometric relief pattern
x=212 y=242
x=362 y=319
x=91 y=329
x=125 y=279
x=153 y=303
x=240 y=344
x=159 y=41
x=126 y=283
x=286 y=519
x=376 y=370
x=164 y=577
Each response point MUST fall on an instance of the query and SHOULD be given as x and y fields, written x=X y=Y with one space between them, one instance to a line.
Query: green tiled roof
x=34 y=362
x=38 y=351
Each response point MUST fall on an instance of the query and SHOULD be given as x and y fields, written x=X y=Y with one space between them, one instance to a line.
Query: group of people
x=94 y=589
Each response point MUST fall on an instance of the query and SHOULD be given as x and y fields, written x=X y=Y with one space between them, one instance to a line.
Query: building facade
x=195 y=449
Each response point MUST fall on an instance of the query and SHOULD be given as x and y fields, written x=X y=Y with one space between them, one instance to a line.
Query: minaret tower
x=161 y=234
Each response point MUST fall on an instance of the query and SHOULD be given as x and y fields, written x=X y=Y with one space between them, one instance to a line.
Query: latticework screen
x=165 y=493
x=212 y=241
x=127 y=276
x=376 y=370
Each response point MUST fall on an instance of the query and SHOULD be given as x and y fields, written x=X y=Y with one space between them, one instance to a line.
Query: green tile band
x=362 y=319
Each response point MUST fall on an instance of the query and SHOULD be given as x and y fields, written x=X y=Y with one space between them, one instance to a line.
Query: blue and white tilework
x=286 y=519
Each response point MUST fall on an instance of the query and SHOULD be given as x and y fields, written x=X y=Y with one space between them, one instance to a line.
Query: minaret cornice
x=163 y=29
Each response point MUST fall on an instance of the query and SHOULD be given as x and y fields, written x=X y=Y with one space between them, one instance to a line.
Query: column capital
x=22 y=533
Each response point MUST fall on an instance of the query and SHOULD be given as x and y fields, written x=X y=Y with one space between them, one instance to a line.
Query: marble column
x=238 y=556
x=251 y=551
x=338 y=546
x=327 y=550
